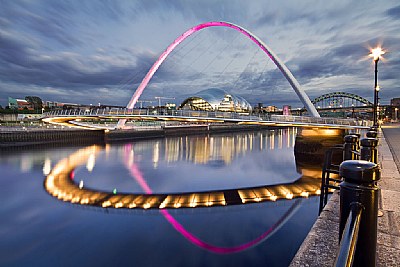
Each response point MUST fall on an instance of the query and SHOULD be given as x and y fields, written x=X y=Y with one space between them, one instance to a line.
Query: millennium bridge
x=77 y=118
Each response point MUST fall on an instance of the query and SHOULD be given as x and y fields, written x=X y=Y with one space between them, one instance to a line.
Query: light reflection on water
x=185 y=164
x=63 y=235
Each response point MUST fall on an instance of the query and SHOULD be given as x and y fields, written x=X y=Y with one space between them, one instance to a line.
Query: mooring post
x=368 y=149
x=350 y=145
x=359 y=186
x=372 y=134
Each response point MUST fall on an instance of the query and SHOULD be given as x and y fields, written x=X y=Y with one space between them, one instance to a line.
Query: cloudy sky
x=92 y=52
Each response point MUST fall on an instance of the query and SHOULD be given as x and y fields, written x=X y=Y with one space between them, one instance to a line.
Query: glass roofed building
x=215 y=99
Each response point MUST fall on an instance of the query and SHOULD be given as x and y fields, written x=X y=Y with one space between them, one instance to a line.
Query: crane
x=162 y=97
x=144 y=101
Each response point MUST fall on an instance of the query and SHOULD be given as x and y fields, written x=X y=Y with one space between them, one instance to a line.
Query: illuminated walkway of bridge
x=77 y=117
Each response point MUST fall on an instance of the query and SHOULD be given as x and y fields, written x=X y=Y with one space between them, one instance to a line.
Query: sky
x=92 y=52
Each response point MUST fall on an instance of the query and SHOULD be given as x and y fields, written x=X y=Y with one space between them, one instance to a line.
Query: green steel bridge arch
x=340 y=99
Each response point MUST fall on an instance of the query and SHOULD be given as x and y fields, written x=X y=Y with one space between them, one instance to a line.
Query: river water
x=37 y=229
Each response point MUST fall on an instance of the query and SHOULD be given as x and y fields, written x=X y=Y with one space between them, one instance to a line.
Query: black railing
x=358 y=213
x=333 y=157
x=348 y=244
x=358 y=175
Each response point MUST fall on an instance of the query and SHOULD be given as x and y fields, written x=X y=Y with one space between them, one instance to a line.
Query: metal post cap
x=359 y=171
x=350 y=139
x=356 y=134
x=372 y=134
x=369 y=142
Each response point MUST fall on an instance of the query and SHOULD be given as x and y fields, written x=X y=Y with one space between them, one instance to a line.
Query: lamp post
x=395 y=114
x=376 y=53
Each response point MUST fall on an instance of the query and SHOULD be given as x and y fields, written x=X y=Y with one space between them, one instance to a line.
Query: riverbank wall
x=24 y=136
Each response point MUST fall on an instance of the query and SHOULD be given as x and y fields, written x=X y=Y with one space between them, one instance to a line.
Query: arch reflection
x=60 y=184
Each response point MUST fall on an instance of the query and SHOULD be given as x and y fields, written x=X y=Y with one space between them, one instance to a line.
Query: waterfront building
x=395 y=102
x=19 y=104
x=215 y=99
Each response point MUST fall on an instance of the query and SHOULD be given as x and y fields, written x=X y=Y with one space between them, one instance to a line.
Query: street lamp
x=395 y=114
x=376 y=54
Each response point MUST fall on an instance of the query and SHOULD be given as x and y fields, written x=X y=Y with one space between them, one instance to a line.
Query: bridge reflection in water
x=60 y=184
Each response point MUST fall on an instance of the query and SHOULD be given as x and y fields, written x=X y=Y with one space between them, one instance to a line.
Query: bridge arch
x=340 y=99
x=281 y=66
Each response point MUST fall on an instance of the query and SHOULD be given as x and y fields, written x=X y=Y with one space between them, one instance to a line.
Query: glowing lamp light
x=289 y=195
x=106 y=204
x=376 y=53
x=304 y=194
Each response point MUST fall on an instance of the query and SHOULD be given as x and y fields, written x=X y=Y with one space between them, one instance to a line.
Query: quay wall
x=33 y=137
x=20 y=137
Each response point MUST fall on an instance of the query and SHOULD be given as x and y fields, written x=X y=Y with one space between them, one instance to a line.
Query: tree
x=35 y=101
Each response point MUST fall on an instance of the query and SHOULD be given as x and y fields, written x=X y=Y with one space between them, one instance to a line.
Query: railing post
x=368 y=149
x=372 y=134
x=359 y=186
x=350 y=145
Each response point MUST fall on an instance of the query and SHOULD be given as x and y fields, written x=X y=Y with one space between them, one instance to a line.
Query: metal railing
x=350 y=150
x=358 y=213
x=358 y=201
x=348 y=245
x=124 y=112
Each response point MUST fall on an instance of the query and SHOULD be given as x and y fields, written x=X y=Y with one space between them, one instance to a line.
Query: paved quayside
x=320 y=246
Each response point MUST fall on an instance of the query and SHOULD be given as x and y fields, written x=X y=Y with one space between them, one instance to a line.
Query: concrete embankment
x=21 y=137
x=321 y=245
x=25 y=137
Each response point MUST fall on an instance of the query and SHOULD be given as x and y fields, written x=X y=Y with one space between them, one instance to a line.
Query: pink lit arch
x=285 y=71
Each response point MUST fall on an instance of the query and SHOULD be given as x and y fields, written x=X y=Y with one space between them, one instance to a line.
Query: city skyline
x=98 y=52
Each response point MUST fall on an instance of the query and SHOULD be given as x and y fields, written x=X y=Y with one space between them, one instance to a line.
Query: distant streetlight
x=376 y=54
x=395 y=113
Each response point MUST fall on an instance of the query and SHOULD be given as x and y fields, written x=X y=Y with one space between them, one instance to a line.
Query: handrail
x=123 y=112
x=347 y=247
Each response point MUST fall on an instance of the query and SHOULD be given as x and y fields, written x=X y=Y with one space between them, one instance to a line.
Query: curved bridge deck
x=77 y=115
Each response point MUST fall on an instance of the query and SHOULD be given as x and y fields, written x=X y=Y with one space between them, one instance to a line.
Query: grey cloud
x=20 y=65
x=52 y=20
x=394 y=12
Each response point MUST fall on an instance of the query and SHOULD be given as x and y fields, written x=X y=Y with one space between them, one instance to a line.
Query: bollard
x=350 y=145
x=357 y=147
x=372 y=134
x=359 y=186
x=368 y=149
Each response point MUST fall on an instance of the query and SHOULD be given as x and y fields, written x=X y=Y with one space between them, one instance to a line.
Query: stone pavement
x=389 y=223
x=321 y=245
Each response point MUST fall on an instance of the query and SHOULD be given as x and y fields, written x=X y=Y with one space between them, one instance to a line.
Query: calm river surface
x=37 y=229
